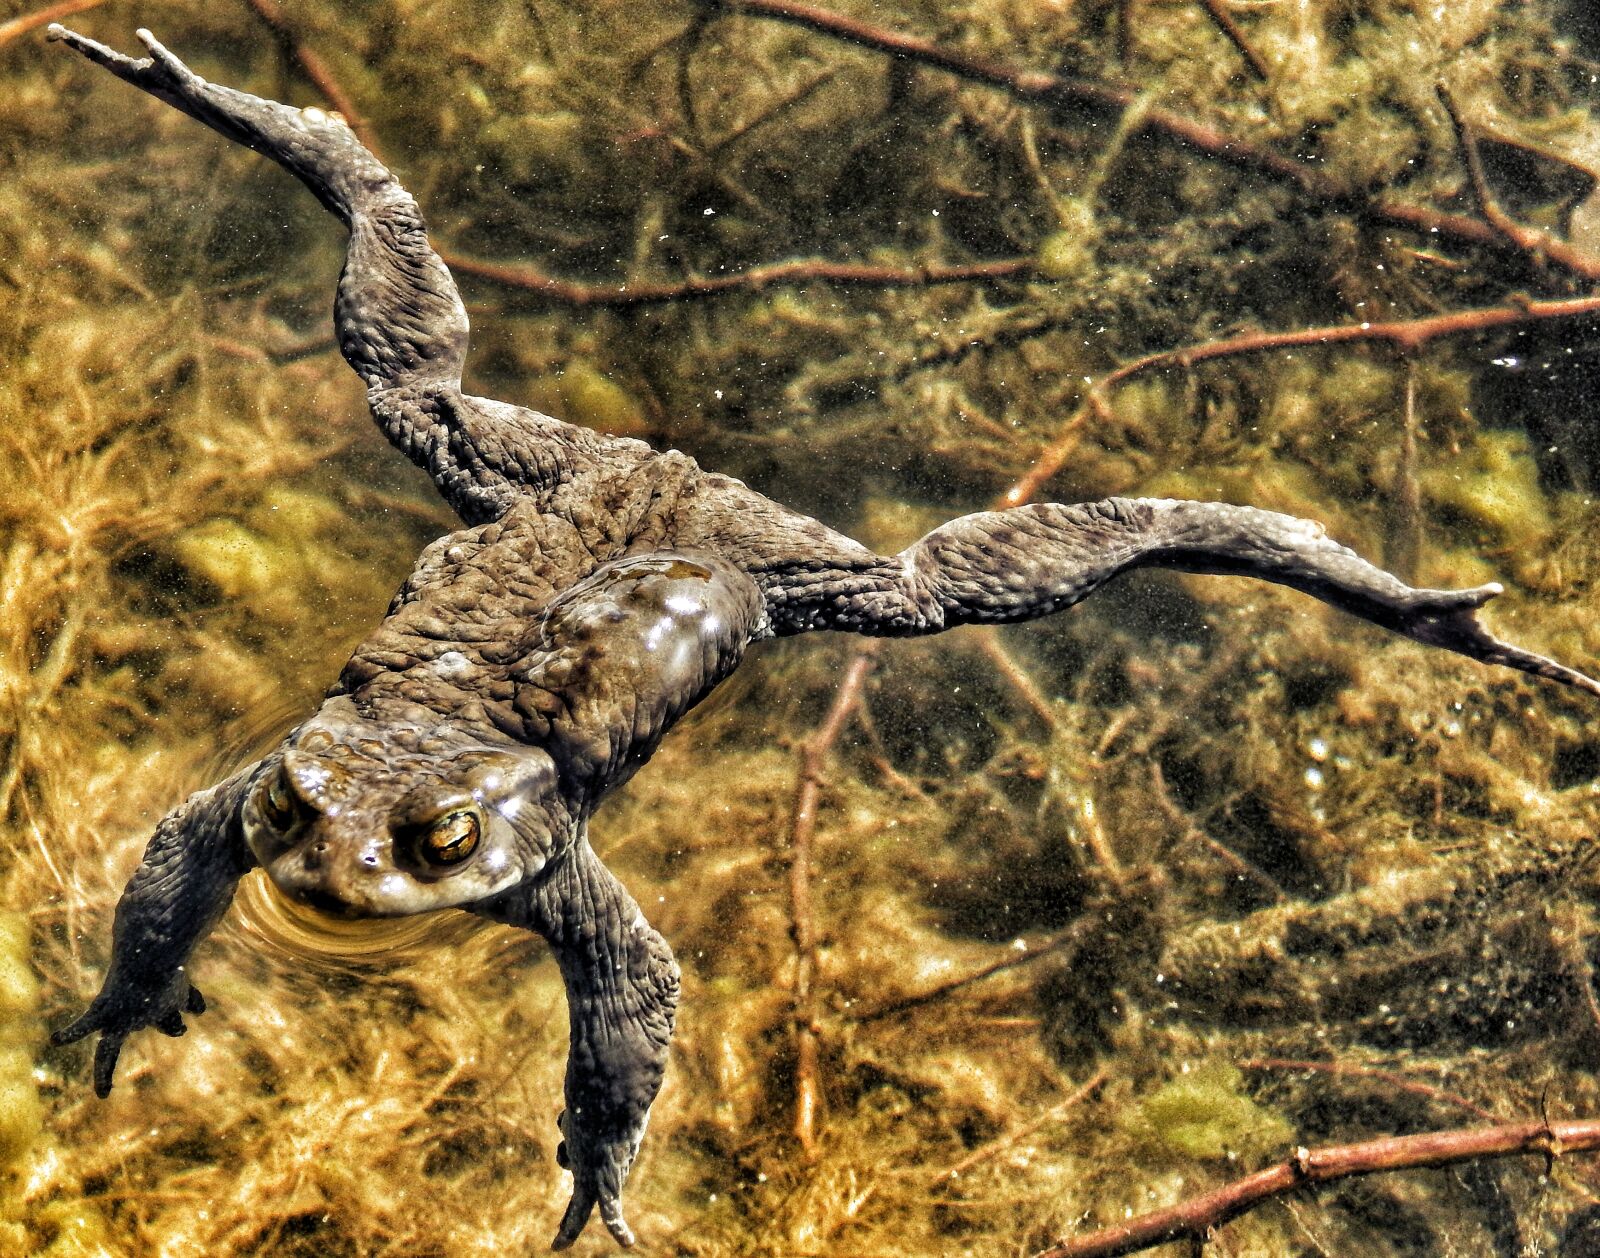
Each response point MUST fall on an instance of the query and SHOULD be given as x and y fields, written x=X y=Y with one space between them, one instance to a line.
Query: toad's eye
x=279 y=805
x=449 y=840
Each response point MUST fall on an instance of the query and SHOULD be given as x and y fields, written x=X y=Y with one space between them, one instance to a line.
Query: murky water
x=1110 y=909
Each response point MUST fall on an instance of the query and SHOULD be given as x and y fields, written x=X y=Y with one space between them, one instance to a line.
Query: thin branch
x=1530 y=240
x=1003 y=1142
x=1011 y=671
x=1178 y=819
x=1230 y=28
x=1065 y=92
x=1198 y=1218
x=1406 y=335
x=1035 y=86
x=1023 y=955
x=20 y=26
x=794 y=271
x=1405 y=538
x=813 y=760
x=316 y=69
x=614 y=296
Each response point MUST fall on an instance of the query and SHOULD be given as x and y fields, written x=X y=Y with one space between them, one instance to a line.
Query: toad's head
x=366 y=818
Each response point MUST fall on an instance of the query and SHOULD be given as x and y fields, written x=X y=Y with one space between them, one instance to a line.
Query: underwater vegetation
x=1260 y=876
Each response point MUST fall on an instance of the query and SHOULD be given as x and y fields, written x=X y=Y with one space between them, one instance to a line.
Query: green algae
x=1204 y=1113
x=1328 y=846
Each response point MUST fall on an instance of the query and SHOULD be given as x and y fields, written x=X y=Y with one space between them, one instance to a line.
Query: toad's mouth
x=326 y=902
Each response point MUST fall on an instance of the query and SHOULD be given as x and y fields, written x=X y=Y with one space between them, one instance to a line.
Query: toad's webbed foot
x=182 y=886
x=622 y=996
x=120 y=1010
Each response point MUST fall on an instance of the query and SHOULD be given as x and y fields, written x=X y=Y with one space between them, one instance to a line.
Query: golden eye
x=451 y=839
x=278 y=804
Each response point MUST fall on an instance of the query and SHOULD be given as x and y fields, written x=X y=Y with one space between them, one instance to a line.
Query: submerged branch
x=1023 y=955
x=813 y=756
x=1003 y=1142
x=1537 y=244
x=1198 y=1217
x=316 y=69
x=1036 y=86
x=1064 y=91
x=1219 y=14
x=1389 y=1078
x=1406 y=335
x=793 y=271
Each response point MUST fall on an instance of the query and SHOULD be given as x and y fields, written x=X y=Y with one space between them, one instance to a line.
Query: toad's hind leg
x=399 y=317
x=400 y=322
x=1001 y=566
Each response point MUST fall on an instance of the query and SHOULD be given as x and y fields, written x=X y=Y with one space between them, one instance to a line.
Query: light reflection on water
x=303 y=934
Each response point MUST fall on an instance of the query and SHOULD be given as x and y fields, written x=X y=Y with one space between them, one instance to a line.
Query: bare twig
x=528 y=279
x=1538 y=244
x=813 y=756
x=1006 y=665
x=1406 y=526
x=1003 y=1142
x=1062 y=91
x=1022 y=955
x=1405 y=335
x=19 y=26
x=316 y=69
x=1198 y=1218
x=1031 y=85
x=1230 y=28
x=794 y=271
x=1178 y=819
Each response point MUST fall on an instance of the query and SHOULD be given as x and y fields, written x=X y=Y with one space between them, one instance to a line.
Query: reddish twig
x=19 y=26
x=316 y=69
x=1198 y=1217
x=1036 y=86
x=813 y=757
x=1405 y=335
x=1063 y=91
x=1235 y=36
x=1530 y=240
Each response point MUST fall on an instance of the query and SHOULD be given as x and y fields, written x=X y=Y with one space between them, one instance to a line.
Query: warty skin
x=533 y=660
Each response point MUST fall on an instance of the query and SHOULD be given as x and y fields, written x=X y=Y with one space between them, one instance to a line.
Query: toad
x=533 y=660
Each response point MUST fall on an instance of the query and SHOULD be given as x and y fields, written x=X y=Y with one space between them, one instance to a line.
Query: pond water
x=1095 y=914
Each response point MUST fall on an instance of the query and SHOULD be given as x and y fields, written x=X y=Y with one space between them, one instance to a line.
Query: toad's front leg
x=181 y=888
x=622 y=995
